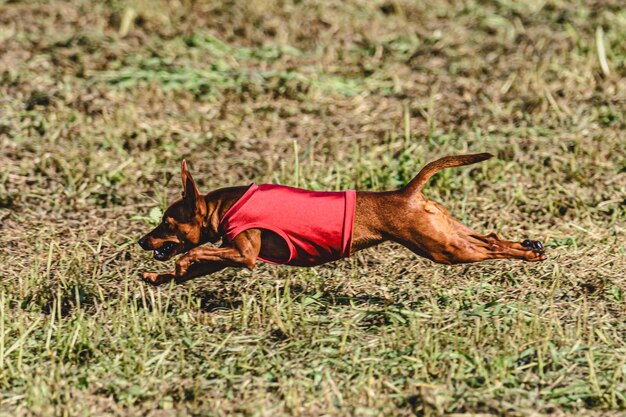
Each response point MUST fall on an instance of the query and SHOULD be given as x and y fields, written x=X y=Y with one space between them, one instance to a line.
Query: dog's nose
x=143 y=242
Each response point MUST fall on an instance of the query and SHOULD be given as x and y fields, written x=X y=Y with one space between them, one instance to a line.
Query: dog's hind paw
x=537 y=249
x=533 y=245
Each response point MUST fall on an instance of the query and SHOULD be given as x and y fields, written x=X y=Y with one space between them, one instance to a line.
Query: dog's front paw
x=536 y=250
x=155 y=278
x=182 y=265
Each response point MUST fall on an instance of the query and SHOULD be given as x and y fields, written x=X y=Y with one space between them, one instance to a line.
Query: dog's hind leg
x=429 y=230
x=436 y=235
x=474 y=248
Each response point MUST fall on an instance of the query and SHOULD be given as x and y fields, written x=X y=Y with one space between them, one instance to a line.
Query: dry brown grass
x=99 y=101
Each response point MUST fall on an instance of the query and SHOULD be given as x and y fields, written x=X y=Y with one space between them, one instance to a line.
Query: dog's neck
x=211 y=222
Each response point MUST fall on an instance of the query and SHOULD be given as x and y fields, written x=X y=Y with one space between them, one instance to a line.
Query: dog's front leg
x=242 y=252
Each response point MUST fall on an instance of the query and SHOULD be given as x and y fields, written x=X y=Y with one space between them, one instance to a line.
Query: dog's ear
x=190 y=190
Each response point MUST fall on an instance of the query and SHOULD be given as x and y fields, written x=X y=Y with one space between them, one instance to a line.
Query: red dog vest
x=316 y=225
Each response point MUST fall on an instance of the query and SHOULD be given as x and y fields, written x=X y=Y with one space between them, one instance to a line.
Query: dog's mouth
x=165 y=251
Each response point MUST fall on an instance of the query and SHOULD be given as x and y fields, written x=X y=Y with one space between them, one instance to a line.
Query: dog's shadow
x=219 y=300
x=225 y=298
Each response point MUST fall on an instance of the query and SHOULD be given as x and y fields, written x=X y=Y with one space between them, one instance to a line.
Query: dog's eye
x=165 y=223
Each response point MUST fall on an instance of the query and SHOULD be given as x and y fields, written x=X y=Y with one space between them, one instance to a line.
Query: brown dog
x=404 y=216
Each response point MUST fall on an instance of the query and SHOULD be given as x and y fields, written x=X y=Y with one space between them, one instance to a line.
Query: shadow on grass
x=229 y=298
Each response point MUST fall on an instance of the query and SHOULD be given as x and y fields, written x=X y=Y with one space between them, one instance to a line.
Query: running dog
x=292 y=226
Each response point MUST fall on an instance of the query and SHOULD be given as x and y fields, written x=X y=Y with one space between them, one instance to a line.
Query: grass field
x=100 y=100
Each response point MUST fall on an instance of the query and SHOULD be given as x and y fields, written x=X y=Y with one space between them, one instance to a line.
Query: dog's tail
x=430 y=169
